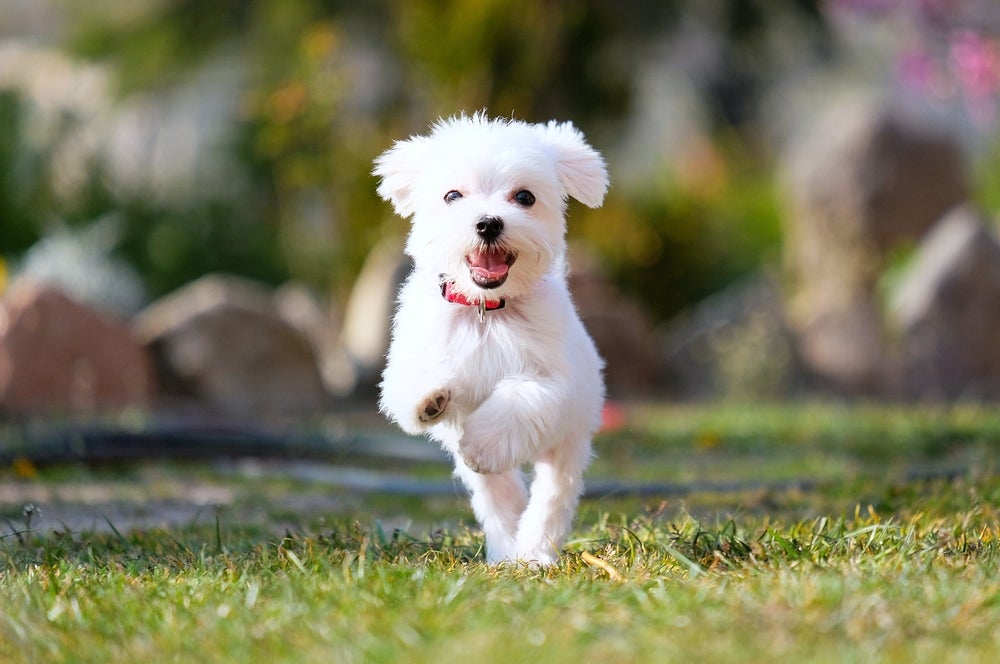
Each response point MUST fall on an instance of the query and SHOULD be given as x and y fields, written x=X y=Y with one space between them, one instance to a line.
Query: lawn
x=809 y=532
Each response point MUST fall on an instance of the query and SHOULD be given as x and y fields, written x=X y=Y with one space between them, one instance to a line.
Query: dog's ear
x=582 y=170
x=399 y=168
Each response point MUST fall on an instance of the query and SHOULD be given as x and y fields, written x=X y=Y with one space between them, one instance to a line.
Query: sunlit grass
x=916 y=586
x=865 y=568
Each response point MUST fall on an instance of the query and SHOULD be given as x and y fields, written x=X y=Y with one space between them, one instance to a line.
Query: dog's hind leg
x=497 y=501
x=555 y=492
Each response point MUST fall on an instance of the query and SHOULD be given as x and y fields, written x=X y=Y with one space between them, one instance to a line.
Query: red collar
x=448 y=292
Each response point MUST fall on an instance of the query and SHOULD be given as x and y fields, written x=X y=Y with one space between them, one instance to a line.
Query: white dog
x=488 y=355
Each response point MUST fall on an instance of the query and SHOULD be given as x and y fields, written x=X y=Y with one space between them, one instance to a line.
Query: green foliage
x=307 y=208
x=533 y=60
x=690 y=233
x=324 y=87
x=17 y=178
x=155 y=42
x=29 y=201
x=986 y=178
x=173 y=245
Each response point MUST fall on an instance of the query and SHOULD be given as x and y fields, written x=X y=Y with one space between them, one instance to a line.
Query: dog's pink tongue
x=488 y=264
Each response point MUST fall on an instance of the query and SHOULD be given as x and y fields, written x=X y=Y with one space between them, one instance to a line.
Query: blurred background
x=802 y=201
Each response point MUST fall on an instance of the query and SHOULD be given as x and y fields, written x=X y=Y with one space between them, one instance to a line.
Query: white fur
x=518 y=385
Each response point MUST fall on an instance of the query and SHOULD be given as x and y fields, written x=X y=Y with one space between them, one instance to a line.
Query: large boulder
x=861 y=181
x=57 y=355
x=364 y=337
x=223 y=342
x=947 y=311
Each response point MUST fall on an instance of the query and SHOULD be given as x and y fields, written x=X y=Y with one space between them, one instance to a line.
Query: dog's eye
x=525 y=198
x=452 y=196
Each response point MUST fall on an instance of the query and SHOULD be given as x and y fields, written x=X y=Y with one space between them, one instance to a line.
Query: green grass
x=872 y=565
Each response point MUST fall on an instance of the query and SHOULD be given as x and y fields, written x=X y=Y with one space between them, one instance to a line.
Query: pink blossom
x=917 y=70
x=975 y=60
x=957 y=50
x=975 y=64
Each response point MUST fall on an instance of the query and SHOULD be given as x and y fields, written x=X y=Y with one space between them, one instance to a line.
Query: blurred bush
x=294 y=98
x=690 y=231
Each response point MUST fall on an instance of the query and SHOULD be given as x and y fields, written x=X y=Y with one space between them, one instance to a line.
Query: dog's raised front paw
x=431 y=408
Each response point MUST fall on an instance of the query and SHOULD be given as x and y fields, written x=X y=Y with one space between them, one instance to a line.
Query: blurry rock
x=365 y=335
x=222 y=341
x=843 y=348
x=870 y=173
x=859 y=182
x=733 y=344
x=622 y=331
x=301 y=309
x=56 y=355
x=947 y=308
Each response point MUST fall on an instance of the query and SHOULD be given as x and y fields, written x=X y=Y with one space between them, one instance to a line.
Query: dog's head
x=488 y=198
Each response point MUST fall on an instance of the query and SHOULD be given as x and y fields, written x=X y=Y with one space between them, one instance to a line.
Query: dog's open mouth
x=489 y=266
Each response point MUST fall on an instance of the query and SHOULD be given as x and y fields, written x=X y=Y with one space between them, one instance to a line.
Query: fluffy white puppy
x=488 y=355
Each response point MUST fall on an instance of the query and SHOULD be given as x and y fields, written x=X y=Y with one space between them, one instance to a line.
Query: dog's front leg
x=414 y=395
x=555 y=491
x=511 y=425
x=498 y=502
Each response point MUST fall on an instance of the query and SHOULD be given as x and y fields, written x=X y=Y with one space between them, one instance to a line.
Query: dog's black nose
x=489 y=228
